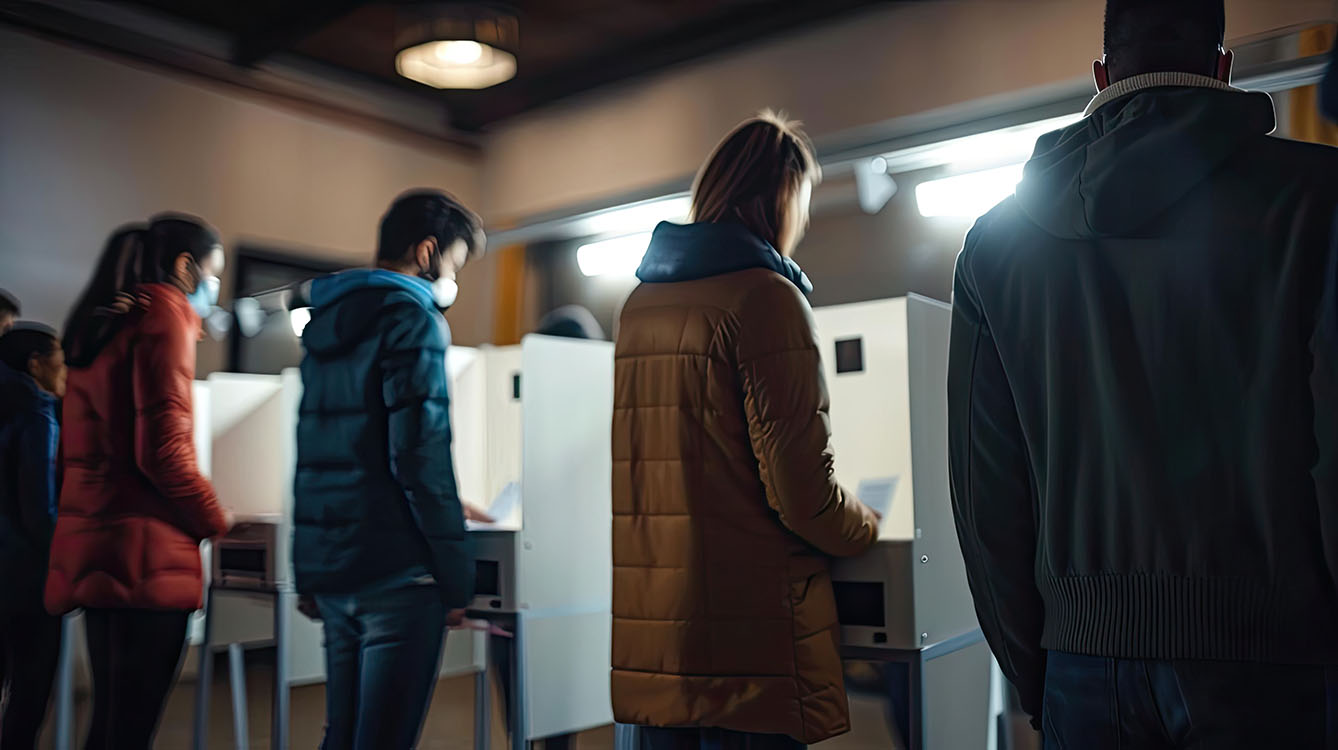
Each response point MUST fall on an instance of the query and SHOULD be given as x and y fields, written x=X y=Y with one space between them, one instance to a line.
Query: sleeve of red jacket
x=164 y=366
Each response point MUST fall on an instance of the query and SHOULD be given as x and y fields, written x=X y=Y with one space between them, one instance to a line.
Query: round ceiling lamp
x=458 y=46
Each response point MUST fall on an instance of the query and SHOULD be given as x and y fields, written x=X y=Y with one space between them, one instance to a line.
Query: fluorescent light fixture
x=633 y=218
x=980 y=151
x=299 y=318
x=619 y=256
x=968 y=195
x=456 y=64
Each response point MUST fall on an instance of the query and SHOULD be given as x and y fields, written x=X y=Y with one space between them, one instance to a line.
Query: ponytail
x=98 y=313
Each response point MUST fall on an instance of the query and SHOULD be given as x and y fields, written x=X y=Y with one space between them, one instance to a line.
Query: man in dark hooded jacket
x=1143 y=397
x=379 y=532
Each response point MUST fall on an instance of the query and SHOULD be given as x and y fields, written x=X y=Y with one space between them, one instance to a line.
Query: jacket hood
x=336 y=327
x=19 y=394
x=687 y=252
x=1135 y=157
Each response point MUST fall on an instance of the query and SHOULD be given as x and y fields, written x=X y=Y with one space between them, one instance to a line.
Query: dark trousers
x=1096 y=703
x=29 y=648
x=658 y=738
x=382 y=657
x=135 y=655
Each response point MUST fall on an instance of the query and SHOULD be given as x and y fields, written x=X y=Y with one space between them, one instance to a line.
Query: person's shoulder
x=1295 y=161
x=991 y=232
x=764 y=284
x=161 y=306
x=406 y=322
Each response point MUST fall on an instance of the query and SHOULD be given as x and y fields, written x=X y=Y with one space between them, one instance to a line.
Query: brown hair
x=754 y=173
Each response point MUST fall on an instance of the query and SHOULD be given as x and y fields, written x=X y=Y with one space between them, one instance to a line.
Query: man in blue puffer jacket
x=379 y=539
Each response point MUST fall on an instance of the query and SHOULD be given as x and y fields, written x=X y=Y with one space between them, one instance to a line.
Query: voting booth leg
x=626 y=737
x=237 y=679
x=915 y=732
x=283 y=614
x=951 y=693
x=519 y=724
x=483 y=701
x=64 y=712
x=204 y=676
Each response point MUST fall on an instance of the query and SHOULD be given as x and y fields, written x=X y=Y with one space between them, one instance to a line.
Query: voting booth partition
x=541 y=412
x=906 y=600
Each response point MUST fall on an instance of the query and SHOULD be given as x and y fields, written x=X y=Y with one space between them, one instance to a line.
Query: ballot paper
x=504 y=511
x=877 y=494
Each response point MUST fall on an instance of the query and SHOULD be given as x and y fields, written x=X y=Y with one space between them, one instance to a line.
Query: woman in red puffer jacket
x=134 y=506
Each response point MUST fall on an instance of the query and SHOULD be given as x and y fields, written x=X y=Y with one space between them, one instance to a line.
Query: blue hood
x=327 y=289
x=687 y=252
x=340 y=320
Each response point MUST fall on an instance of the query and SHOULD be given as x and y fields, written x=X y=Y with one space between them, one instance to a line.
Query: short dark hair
x=1153 y=36
x=22 y=343
x=419 y=214
x=9 y=304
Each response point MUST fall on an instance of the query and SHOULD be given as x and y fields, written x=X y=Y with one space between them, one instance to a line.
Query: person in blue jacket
x=379 y=530
x=32 y=382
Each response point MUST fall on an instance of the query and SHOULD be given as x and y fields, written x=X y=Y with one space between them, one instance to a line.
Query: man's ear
x=422 y=253
x=1101 y=75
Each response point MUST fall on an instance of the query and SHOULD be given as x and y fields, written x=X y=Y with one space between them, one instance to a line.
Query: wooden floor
x=449 y=726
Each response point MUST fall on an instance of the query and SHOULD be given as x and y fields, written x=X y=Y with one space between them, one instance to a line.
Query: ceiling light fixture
x=457 y=46
x=981 y=151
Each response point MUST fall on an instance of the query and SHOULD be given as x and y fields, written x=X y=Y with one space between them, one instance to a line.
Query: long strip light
x=970 y=153
x=619 y=256
x=967 y=195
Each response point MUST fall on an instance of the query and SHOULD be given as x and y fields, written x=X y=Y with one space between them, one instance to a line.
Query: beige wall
x=87 y=143
x=867 y=69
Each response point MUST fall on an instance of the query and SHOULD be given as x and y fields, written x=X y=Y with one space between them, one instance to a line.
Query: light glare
x=459 y=52
x=620 y=256
x=299 y=319
x=967 y=195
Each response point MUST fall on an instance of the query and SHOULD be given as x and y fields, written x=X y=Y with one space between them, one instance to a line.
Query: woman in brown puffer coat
x=725 y=507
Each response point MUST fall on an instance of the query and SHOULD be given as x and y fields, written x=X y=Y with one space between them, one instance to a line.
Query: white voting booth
x=530 y=437
x=907 y=599
x=539 y=417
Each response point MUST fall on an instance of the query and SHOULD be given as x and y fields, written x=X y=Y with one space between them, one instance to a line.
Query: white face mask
x=444 y=292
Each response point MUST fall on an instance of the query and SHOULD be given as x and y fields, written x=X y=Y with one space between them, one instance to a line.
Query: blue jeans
x=1096 y=703
x=659 y=738
x=382 y=657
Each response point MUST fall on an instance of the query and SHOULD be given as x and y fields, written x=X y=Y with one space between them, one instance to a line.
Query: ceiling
x=566 y=46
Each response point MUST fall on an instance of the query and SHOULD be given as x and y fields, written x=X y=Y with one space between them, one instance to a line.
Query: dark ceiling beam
x=285 y=26
x=737 y=26
x=319 y=91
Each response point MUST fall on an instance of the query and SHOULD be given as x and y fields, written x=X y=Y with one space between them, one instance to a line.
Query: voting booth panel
x=886 y=366
x=564 y=580
x=943 y=604
x=543 y=568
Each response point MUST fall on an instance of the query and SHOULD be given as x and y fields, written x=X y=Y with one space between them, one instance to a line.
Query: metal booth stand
x=243 y=567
